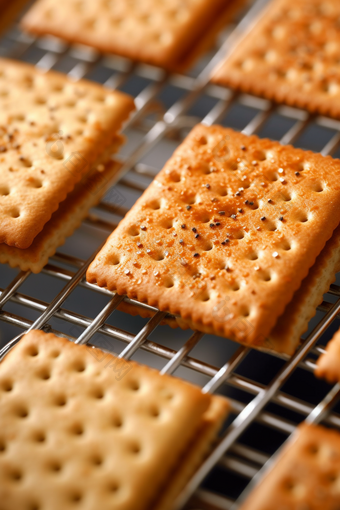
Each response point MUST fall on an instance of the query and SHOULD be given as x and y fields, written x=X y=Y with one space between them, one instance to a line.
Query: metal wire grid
x=231 y=455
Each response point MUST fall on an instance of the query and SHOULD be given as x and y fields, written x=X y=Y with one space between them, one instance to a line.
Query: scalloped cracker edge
x=65 y=220
x=52 y=131
x=305 y=474
x=225 y=234
x=289 y=56
x=112 y=424
x=168 y=36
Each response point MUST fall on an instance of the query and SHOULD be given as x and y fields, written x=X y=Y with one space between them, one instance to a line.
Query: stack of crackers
x=57 y=138
x=81 y=429
x=236 y=236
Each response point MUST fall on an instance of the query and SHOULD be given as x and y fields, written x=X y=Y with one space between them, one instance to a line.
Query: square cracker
x=328 y=365
x=226 y=233
x=160 y=33
x=290 y=56
x=285 y=337
x=71 y=212
x=79 y=426
x=52 y=130
x=305 y=476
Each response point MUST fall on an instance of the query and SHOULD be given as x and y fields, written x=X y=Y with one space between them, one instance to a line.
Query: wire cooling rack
x=269 y=394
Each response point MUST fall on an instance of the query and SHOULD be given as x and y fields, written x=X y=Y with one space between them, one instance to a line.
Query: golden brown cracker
x=305 y=476
x=328 y=365
x=65 y=220
x=225 y=234
x=160 y=33
x=290 y=56
x=286 y=335
x=52 y=130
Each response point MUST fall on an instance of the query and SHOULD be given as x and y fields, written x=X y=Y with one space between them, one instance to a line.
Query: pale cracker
x=159 y=33
x=304 y=477
x=328 y=365
x=212 y=421
x=52 y=130
x=277 y=204
x=79 y=426
x=65 y=220
x=290 y=56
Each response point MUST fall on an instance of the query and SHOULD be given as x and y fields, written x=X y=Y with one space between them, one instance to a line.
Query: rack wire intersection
x=265 y=411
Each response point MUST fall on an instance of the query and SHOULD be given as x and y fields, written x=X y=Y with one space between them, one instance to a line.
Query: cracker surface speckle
x=286 y=335
x=51 y=132
x=63 y=222
x=291 y=56
x=227 y=278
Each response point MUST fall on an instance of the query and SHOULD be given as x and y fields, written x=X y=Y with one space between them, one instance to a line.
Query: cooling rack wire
x=264 y=411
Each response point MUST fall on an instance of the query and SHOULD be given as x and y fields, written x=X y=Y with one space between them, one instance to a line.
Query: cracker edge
x=175 y=59
x=224 y=75
x=274 y=473
x=62 y=224
x=122 y=111
x=211 y=423
x=328 y=364
x=286 y=335
x=207 y=40
x=102 y=277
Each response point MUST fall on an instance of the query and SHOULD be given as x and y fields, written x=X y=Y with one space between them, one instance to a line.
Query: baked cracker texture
x=291 y=56
x=68 y=217
x=80 y=427
x=52 y=131
x=305 y=476
x=293 y=323
x=328 y=364
x=160 y=33
x=225 y=234
x=285 y=337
